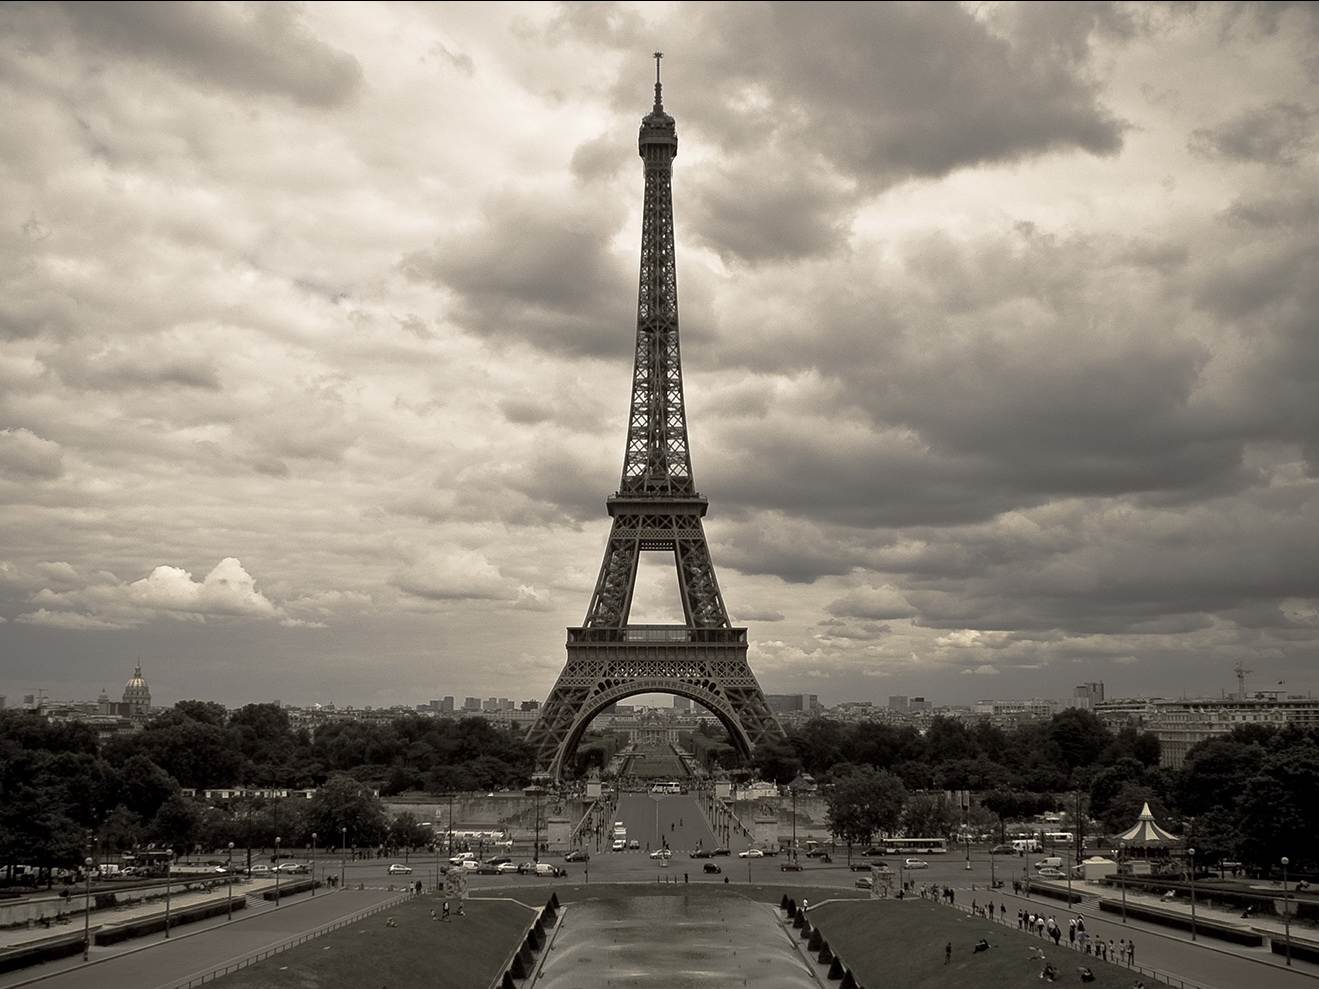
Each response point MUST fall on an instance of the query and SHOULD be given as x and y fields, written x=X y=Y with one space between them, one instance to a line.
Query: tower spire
x=655 y=509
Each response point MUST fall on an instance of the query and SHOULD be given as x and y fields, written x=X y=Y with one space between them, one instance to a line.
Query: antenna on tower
x=659 y=104
x=1241 y=671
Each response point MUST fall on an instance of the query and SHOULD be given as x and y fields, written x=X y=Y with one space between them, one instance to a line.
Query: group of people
x=1078 y=938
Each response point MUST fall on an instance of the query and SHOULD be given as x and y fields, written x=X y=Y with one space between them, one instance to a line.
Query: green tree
x=344 y=802
x=928 y=816
x=207 y=712
x=777 y=762
x=862 y=802
x=176 y=824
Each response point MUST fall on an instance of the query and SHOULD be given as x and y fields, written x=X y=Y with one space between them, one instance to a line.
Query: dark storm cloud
x=870 y=93
x=538 y=270
x=246 y=48
x=1277 y=134
x=769 y=208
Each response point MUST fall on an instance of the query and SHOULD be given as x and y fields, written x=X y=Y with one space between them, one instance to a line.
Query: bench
x=1235 y=933
x=1304 y=948
x=42 y=950
x=128 y=929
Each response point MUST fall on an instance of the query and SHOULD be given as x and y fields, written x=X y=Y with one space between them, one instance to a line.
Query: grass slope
x=462 y=954
x=900 y=945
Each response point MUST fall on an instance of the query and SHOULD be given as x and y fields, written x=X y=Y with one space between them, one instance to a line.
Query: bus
x=914 y=846
x=666 y=788
x=1059 y=837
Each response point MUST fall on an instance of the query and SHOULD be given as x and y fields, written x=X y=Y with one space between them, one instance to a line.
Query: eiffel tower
x=656 y=507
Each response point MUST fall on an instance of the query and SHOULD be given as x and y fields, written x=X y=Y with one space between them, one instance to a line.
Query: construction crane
x=1241 y=671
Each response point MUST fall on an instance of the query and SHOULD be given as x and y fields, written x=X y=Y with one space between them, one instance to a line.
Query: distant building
x=897 y=702
x=530 y=706
x=918 y=704
x=1088 y=695
x=471 y=703
x=446 y=705
x=682 y=703
x=137 y=695
x=790 y=703
x=1181 y=724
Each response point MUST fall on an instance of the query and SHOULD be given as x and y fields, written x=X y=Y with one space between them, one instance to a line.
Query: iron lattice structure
x=656 y=507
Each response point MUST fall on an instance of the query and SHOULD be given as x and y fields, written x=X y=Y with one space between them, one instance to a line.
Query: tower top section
x=658 y=140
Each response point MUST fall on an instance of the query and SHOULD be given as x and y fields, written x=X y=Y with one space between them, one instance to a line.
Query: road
x=650 y=818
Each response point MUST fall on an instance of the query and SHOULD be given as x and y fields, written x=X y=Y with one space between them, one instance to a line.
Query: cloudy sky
x=1001 y=331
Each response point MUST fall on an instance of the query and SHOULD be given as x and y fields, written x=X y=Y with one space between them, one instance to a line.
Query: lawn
x=464 y=953
x=900 y=945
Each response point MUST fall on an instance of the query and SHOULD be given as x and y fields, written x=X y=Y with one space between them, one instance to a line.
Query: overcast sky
x=1000 y=328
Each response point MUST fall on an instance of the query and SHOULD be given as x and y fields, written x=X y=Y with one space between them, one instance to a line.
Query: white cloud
x=984 y=670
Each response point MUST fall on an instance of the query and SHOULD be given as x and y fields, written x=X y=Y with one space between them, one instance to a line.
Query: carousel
x=1147 y=849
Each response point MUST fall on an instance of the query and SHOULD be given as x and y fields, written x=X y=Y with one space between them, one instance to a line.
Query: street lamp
x=169 y=862
x=1286 y=910
x=343 y=861
x=1190 y=854
x=276 y=870
x=87 y=910
x=993 y=882
x=1121 y=879
x=229 y=876
x=313 y=863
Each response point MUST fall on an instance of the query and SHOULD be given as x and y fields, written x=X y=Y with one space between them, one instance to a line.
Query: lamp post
x=450 y=825
x=276 y=870
x=229 y=876
x=993 y=882
x=169 y=862
x=793 y=790
x=343 y=860
x=87 y=910
x=313 y=863
x=1190 y=854
x=967 y=835
x=1286 y=910
x=1121 y=879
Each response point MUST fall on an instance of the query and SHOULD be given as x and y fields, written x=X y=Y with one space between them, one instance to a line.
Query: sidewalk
x=1205 y=909
x=16 y=936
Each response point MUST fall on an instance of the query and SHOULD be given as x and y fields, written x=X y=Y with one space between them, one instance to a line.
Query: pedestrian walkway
x=14 y=937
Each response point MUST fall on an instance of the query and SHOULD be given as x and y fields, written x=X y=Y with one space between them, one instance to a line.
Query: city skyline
x=998 y=348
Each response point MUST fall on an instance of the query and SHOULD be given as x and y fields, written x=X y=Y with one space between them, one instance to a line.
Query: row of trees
x=1251 y=796
x=58 y=785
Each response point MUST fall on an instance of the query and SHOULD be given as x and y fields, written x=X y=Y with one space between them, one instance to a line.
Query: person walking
x=948 y=952
x=1131 y=952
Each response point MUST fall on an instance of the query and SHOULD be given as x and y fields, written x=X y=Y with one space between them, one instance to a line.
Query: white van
x=1050 y=862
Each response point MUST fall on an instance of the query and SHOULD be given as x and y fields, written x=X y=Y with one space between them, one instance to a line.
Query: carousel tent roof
x=1147 y=832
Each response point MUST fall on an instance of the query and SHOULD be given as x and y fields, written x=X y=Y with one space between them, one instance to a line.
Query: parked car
x=578 y=855
x=1051 y=873
x=700 y=853
x=916 y=864
x=712 y=868
x=549 y=870
x=816 y=853
x=860 y=866
x=486 y=869
x=398 y=869
x=634 y=844
x=526 y=868
x=721 y=851
x=506 y=867
x=751 y=853
x=790 y=866
x=261 y=869
x=497 y=860
x=471 y=865
x=865 y=882
x=1002 y=850
x=619 y=845
x=462 y=857
x=662 y=853
x=285 y=867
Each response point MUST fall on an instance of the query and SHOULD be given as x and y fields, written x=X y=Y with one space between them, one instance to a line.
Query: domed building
x=137 y=695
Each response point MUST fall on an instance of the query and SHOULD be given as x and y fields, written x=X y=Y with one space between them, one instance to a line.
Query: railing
x=213 y=974
x=1167 y=978
x=659 y=633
